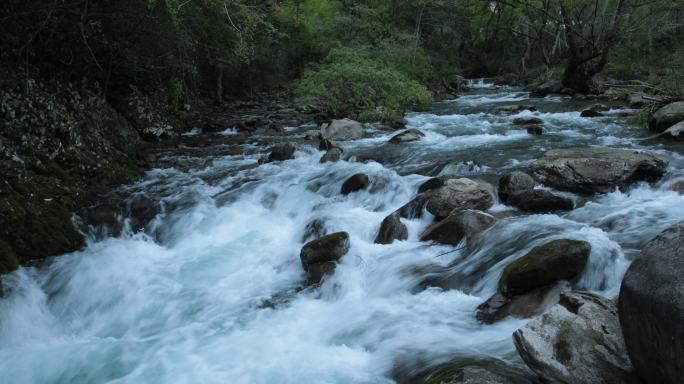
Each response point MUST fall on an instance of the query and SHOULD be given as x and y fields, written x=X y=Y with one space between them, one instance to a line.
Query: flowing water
x=212 y=291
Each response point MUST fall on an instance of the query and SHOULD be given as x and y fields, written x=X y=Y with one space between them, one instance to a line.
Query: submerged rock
x=391 y=229
x=544 y=265
x=407 y=136
x=651 y=307
x=667 y=116
x=514 y=182
x=591 y=113
x=676 y=131
x=394 y=123
x=434 y=183
x=578 y=341
x=318 y=271
x=539 y=201
x=355 y=183
x=591 y=170
x=282 y=152
x=344 y=129
x=460 y=194
x=535 y=130
x=532 y=303
x=528 y=121
x=472 y=371
x=513 y=109
x=414 y=208
x=328 y=248
x=458 y=225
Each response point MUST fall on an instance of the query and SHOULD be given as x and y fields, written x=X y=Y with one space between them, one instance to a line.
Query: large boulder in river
x=532 y=303
x=539 y=201
x=457 y=226
x=676 y=131
x=331 y=155
x=591 y=170
x=544 y=265
x=408 y=135
x=667 y=116
x=282 y=152
x=651 y=308
x=391 y=229
x=460 y=194
x=344 y=129
x=578 y=341
x=514 y=182
x=329 y=248
x=355 y=183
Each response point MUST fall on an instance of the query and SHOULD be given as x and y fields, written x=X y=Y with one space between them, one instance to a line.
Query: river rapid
x=212 y=291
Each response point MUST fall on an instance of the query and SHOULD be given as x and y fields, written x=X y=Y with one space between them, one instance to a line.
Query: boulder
x=459 y=168
x=514 y=182
x=355 y=183
x=473 y=222
x=578 y=341
x=513 y=109
x=590 y=113
x=314 y=230
x=545 y=265
x=328 y=248
x=528 y=121
x=458 y=225
x=529 y=304
x=676 y=131
x=414 y=208
x=460 y=194
x=325 y=144
x=391 y=229
x=433 y=183
x=637 y=100
x=473 y=371
x=344 y=129
x=667 y=116
x=592 y=170
x=547 y=87
x=394 y=123
x=318 y=271
x=539 y=201
x=651 y=307
x=282 y=152
x=678 y=187
x=331 y=155
x=535 y=130
x=408 y=135
x=8 y=260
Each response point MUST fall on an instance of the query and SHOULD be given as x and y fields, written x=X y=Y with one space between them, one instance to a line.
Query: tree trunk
x=219 y=84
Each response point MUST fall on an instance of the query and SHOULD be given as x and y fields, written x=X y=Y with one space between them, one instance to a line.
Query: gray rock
x=407 y=136
x=458 y=225
x=328 y=248
x=414 y=208
x=676 y=131
x=591 y=170
x=678 y=187
x=545 y=265
x=514 y=182
x=355 y=183
x=667 y=116
x=460 y=194
x=282 y=152
x=543 y=89
x=344 y=129
x=331 y=155
x=434 y=183
x=637 y=100
x=529 y=304
x=474 y=371
x=391 y=229
x=473 y=222
x=651 y=307
x=578 y=341
x=513 y=109
x=539 y=201
x=528 y=121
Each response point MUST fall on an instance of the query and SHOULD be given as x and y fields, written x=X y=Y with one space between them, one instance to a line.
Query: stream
x=212 y=291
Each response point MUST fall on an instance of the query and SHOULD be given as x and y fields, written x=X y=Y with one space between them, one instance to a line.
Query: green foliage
x=350 y=81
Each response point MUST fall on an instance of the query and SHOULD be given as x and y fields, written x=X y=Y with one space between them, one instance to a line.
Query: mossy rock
x=544 y=265
x=328 y=248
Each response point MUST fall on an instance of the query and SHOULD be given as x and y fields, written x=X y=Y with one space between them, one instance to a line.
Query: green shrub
x=350 y=81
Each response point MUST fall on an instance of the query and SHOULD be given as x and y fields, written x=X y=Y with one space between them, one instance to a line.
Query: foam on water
x=213 y=293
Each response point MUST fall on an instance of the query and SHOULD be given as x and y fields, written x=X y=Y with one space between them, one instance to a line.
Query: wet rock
x=514 y=182
x=391 y=229
x=458 y=225
x=105 y=218
x=407 y=136
x=578 y=341
x=535 y=130
x=513 y=109
x=331 y=155
x=141 y=210
x=667 y=116
x=539 y=201
x=414 y=208
x=528 y=121
x=590 y=113
x=472 y=371
x=325 y=144
x=529 y=304
x=344 y=129
x=318 y=271
x=592 y=170
x=460 y=194
x=8 y=260
x=676 y=131
x=394 y=123
x=547 y=87
x=314 y=230
x=326 y=249
x=678 y=187
x=459 y=168
x=282 y=152
x=651 y=307
x=433 y=183
x=312 y=135
x=545 y=265
x=355 y=183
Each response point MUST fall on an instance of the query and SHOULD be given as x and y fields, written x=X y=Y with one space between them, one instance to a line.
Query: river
x=212 y=291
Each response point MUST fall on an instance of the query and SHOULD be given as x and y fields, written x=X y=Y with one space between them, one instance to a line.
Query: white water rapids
x=212 y=294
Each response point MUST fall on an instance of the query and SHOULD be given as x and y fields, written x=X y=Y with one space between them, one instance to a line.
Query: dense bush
x=352 y=82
